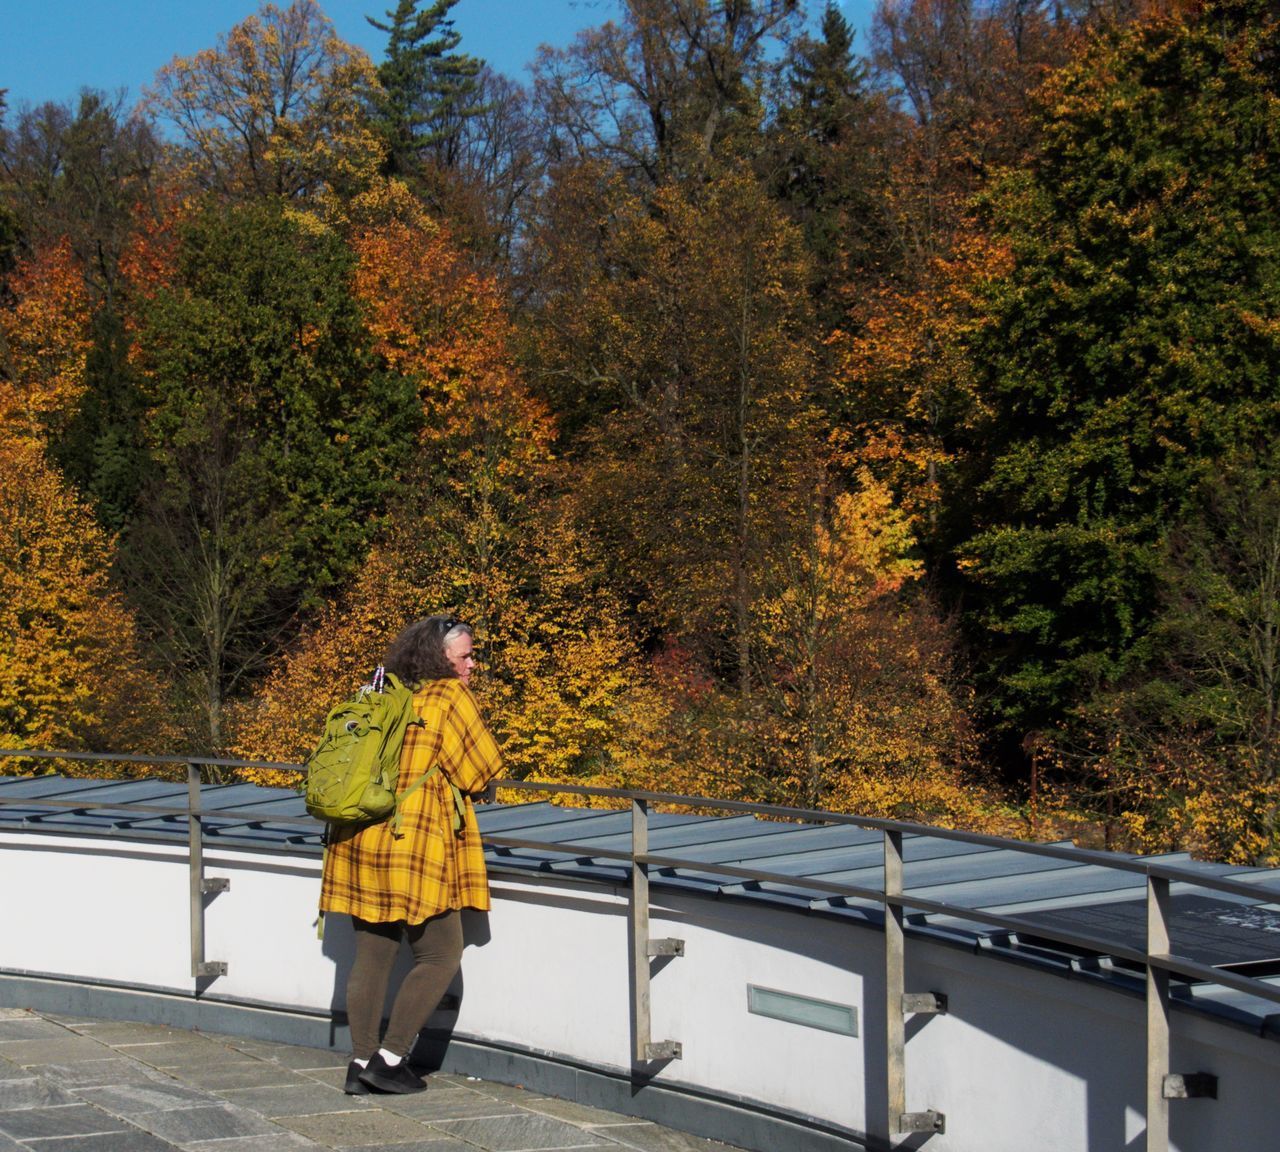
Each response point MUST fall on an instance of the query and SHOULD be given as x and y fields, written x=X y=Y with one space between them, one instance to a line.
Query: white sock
x=362 y=1063
x=390 y=1058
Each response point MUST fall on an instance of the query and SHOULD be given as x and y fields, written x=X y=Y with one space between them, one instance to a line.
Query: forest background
x=890 y=431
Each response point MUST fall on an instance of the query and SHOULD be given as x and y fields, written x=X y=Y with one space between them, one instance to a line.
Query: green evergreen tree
x=431 y=90
x=1132 y=346
x=102 y=450
x=824 y=168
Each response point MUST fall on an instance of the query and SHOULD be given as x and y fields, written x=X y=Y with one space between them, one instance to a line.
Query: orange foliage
x=47 y=334
x=147 y=260
x=903 y=378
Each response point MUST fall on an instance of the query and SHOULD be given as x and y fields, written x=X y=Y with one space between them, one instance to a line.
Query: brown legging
x=437 y=952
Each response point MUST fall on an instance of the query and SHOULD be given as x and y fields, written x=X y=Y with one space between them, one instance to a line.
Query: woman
x=412 y=882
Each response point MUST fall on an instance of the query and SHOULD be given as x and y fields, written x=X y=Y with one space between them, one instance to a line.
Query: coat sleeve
x=469 y=754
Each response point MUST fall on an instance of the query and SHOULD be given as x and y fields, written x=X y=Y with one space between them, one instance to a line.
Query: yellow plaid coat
x=379 y=874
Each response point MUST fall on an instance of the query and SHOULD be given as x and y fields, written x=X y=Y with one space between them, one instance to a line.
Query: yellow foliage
x=858 y=699
x=278 y=108
x=866 y=551
x=1180 y=793
x=70 y=672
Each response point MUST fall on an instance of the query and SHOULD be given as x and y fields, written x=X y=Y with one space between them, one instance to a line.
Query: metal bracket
x=929 y=1121
x=215 y=884
x=924 y=1004
x=1190 y=1086
x=211 y=968
x=667 y=946
x=664 y=1050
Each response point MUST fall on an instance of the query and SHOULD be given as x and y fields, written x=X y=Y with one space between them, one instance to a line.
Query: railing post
x=200 y=967
x=895 y=987
x=639 y=910
x=1157 y=1015
x=643 y=1048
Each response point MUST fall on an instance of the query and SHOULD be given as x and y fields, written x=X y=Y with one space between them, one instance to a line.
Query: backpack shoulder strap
x=459 y=801
x=397 y=819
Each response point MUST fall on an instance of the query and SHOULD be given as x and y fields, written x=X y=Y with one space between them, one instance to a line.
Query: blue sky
x=49 y=49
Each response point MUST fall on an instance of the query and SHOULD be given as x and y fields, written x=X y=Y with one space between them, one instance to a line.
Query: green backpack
x=352 y=774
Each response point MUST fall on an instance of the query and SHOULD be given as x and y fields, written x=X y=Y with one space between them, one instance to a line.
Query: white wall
x=1024 y=1059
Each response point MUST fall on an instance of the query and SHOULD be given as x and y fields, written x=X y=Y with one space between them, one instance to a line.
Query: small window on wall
x=805 y=1010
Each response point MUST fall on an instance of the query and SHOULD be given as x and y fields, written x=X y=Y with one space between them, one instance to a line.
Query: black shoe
x=385 y=1078
x=353 y=1086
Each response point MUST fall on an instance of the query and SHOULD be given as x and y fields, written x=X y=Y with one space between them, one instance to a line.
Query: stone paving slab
x=116 y=1032
x=60 y=1120
x=78 y=1085
x=30 y=1028
x=179 y=1053
x=152 y=1096
x=440 y=1144
x=493 y=1089
x=431 y=1106
x=32 y=1092
x=111 y=1069
x=654 y=1138
x=333 y=1077
x=521 y=1133
x=290 y=1055
x=295 y=1100
x=67 y=1019
x=64 y=1049
x=205 y=1122
x=356 y=1129
x=278 y=1142
x=575 y=1113
x=244 y=1073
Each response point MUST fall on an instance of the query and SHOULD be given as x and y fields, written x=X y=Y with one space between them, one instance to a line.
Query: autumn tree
x=276 y=441
x=957 y=78
x=497 y=167
x=44 y=338
x=484 y=535
x=680 y=347
x=670 y=85
x=864 y=710
x=79 y=174
x=71 y=672
x=903 y=396
x=281 y=107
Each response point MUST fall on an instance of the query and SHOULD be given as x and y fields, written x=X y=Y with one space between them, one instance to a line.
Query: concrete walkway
x=68 y=1084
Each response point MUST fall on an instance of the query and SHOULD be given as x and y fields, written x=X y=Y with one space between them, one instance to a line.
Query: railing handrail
x=1138 y=866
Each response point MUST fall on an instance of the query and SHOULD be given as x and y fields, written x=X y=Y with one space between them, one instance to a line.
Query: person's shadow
x=432 y=1044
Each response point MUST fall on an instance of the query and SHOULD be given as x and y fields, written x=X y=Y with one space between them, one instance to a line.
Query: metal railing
x=1156 y=960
